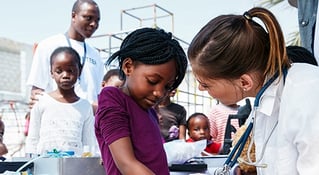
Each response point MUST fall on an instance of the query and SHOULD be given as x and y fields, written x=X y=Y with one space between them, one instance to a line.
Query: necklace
x=84 y=48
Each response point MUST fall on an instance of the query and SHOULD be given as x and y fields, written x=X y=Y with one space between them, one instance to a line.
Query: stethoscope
x=238 y=148
x=84 y=48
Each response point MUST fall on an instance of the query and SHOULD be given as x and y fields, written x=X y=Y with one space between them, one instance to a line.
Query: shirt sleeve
x=112 y=119
x=88 y=135
x=40 y=69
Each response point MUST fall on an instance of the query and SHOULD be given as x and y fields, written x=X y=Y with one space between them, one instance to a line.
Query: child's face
x=227 y=92
x=199 y=128
x=65 y=70
x=148 y=84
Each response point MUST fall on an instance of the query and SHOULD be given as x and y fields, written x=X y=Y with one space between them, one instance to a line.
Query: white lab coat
x=293 y=147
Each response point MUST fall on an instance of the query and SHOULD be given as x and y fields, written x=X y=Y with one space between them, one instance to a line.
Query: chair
x=241 y=117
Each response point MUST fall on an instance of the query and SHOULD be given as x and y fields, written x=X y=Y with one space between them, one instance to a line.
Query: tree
x=293 y=37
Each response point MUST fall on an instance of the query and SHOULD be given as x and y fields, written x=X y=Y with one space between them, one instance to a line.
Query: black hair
x=78 y=3
x=298 y=54
x=111 y=73
x=152 y=46
x=193 y=116
x=68 y=50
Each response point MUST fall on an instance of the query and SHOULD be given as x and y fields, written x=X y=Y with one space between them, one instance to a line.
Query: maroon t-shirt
x=119 y=116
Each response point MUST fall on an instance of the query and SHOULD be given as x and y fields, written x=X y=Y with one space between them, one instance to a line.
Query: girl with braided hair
x=238 y=56
x=151 y=64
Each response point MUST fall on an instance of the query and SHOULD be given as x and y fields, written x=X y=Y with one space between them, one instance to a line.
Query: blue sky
x=33 y=20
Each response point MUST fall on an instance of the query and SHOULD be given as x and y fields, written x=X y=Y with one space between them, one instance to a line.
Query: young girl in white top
x=61 y=120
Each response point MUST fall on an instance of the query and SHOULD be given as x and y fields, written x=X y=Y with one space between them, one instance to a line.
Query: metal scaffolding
x=188 y=94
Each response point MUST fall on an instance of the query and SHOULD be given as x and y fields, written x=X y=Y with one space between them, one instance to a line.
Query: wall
x=15 y=63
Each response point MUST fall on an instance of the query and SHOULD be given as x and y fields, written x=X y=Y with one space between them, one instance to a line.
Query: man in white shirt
x=85 y=19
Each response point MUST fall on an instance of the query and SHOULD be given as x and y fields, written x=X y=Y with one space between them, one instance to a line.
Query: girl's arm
x=182 y=124
x=32 y=139
x=182 y=132
x=124 y=158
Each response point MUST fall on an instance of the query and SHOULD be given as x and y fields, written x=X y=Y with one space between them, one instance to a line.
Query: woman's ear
x=127 y=66
x=246 y=82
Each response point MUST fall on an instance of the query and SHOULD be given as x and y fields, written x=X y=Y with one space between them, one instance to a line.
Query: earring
x=245 y=89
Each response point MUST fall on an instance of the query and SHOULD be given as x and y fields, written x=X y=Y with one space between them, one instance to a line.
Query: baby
x=198 y=129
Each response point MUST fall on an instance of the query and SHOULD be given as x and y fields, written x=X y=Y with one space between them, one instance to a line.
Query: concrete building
x=15 y=63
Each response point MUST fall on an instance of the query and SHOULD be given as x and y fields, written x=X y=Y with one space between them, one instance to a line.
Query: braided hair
x=151 y=46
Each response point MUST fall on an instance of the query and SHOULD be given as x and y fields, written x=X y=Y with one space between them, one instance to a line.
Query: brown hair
x=229 y=46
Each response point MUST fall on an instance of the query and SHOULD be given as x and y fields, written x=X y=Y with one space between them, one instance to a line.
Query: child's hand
x=173 y=132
